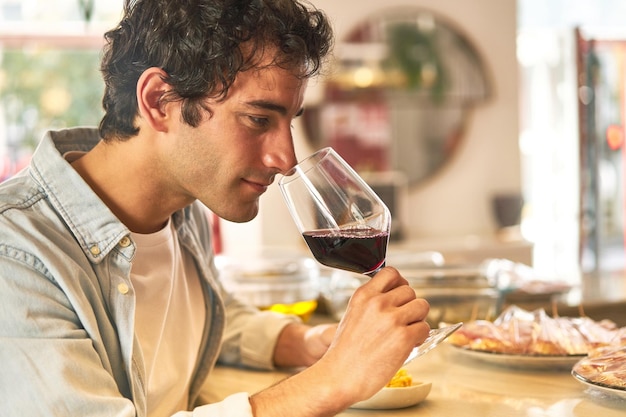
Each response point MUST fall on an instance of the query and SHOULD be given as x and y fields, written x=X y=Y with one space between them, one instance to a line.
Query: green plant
x=415 y=54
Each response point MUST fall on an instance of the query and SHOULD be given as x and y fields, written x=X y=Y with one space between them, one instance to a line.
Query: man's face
x=231 y=158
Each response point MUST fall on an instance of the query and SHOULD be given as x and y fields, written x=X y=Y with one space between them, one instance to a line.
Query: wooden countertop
x=462 y=386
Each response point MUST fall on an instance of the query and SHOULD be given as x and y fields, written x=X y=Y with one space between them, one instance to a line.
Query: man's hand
x=383 y=322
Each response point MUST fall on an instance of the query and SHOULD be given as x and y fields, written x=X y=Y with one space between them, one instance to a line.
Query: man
x=110 y=301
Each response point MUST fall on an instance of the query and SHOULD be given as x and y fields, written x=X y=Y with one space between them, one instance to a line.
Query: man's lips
x=259 y=186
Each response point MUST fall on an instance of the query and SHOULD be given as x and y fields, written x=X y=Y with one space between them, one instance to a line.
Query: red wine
x=360 y=250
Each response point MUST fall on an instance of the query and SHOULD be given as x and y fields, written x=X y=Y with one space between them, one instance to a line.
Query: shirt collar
x=93 y=224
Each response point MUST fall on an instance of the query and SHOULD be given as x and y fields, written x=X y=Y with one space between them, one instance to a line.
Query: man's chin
x=241 y=216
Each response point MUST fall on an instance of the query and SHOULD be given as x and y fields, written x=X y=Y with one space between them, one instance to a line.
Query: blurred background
x=493 y=128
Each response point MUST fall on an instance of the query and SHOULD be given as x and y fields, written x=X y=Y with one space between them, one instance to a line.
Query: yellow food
x=401 y=379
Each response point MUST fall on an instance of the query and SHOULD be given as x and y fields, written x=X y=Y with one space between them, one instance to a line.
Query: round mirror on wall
x=399 y=94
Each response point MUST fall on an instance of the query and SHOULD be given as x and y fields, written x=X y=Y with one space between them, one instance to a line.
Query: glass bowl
x=281 y=282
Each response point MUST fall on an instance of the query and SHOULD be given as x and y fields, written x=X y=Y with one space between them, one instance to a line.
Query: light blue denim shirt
x=67 y=306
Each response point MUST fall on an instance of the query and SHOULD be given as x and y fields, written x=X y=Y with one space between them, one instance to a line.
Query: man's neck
x=127 y=185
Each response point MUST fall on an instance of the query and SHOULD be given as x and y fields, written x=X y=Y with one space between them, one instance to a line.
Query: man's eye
x=259 y=121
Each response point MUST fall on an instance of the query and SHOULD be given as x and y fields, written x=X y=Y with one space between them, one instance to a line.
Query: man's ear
x=151 y=87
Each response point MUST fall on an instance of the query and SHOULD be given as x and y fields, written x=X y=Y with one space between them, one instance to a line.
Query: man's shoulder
x=32 y=232
x=19 y=192
x=26 y=212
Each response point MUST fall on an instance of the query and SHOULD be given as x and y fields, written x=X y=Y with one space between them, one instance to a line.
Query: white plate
x=397 y=397
x=604 y=389
x=534 y=362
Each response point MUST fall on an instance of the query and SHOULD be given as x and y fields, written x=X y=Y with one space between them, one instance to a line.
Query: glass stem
x=374 y=272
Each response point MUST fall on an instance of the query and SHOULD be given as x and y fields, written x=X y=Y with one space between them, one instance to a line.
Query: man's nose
x=281 y=154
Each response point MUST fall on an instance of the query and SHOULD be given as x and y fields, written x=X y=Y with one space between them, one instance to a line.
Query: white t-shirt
x=169 y=318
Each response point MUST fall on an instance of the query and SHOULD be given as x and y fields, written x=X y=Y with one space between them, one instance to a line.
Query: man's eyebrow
x=268 y=105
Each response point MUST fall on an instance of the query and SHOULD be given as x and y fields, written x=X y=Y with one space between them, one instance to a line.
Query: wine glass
x=344 y=223
x=342 y=220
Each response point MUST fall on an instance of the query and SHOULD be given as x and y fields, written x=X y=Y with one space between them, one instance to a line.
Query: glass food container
x=285 y=283
x=455 y=293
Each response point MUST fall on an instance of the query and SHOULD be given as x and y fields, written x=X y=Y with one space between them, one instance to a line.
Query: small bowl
x=397 y=397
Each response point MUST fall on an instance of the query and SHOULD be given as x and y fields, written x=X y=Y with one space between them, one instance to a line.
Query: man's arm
x=382 y=324
x=302 y=345
x=49 y=363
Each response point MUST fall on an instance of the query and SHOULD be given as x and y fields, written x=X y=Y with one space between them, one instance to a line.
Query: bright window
x=49 y=70
x=550 y=137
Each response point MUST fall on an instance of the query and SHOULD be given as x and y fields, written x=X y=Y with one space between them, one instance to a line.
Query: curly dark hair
x=199 y=44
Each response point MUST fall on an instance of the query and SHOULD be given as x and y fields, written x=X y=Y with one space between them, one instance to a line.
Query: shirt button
x=95 y=250
x=125 y=242
x=122 y=288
